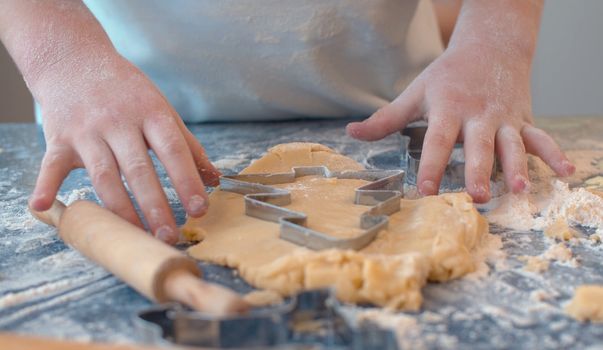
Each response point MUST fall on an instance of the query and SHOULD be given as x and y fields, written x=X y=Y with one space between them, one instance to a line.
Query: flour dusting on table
x=550 y=199
x=508 y=308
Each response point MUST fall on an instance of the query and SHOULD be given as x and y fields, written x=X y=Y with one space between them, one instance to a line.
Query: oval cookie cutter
x=312 y=319
x=265 y=202
x=412 y=147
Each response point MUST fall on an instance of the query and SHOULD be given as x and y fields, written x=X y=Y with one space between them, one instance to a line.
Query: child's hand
x=100 y=112
x=477 y=92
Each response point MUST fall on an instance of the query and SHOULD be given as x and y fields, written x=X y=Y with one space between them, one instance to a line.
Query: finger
x=106 y=179
x=390 y=118
x=512 y=154
x=56 y=165
x=131 y=154
x=165 y=138
x=439 y=141
x=539 y=143
x=209 y=174
x=479 y=157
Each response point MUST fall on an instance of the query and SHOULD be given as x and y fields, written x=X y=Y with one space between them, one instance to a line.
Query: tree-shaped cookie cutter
x=265 y=202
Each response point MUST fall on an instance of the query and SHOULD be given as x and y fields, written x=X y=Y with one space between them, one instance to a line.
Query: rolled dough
x=431 y=238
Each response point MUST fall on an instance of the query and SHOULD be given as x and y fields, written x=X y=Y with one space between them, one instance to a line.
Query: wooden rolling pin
x=13 y=341
x=158 y=271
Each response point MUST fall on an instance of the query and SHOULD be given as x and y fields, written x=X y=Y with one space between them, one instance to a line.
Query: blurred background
x=567 y=78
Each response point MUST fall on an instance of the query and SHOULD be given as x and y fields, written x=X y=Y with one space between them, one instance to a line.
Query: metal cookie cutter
x=309 y=318
x=265 y=202
x=412 y=146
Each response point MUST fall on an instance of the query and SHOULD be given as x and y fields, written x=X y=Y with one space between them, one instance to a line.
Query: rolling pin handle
x=51 y=216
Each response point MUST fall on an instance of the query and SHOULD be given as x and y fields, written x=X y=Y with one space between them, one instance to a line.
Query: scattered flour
x=15 y=215
x=405 y=327
x=47 y=289
x=514 y=211
x=17 y=218
x=171 y=194
x=549 y=200
x=77 y=194
x=230 y=162
x=541 y=295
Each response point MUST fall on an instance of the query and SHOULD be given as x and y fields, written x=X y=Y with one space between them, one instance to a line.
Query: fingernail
x=197 y=205
x=428 y=188
x=568 y=168
x=351 y=130
x=481 y=193
x=166 y=234
x=522 y=184
x=33 y=201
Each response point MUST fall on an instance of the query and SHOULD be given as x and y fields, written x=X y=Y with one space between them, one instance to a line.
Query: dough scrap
x=432 y=238
x=559 y=252
x=560 y=230
x=536 y=264
x=587 y=304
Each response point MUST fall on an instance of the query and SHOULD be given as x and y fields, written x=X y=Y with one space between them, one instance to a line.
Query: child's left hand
x=475 y=93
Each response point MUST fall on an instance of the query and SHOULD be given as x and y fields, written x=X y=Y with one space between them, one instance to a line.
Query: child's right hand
x=102 y=113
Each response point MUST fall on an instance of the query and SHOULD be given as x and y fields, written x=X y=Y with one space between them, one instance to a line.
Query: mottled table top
x=48 y=289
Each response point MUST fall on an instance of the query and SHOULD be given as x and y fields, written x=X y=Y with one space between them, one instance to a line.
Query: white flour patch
x=231 y=162
x=549 y=199
x=511 y=210
x=16 y=216
x=77 y=194
x=171 y=194
x=405 y=327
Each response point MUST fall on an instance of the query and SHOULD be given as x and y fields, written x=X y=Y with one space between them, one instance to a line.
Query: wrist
x=507 y=27
x=488 y=51
x=70 y=70
x=45 y=36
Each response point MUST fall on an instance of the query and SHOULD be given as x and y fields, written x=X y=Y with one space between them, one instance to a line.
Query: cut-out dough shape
x=432 y=238
x=263 y=201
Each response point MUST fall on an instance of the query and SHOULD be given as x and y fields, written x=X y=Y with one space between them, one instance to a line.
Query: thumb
x=390 y=118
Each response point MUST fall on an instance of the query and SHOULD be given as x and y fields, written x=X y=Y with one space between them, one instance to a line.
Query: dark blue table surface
x=46 y=288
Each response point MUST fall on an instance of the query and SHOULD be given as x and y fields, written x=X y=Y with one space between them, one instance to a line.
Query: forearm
x=44 y=35
x=507 y=25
